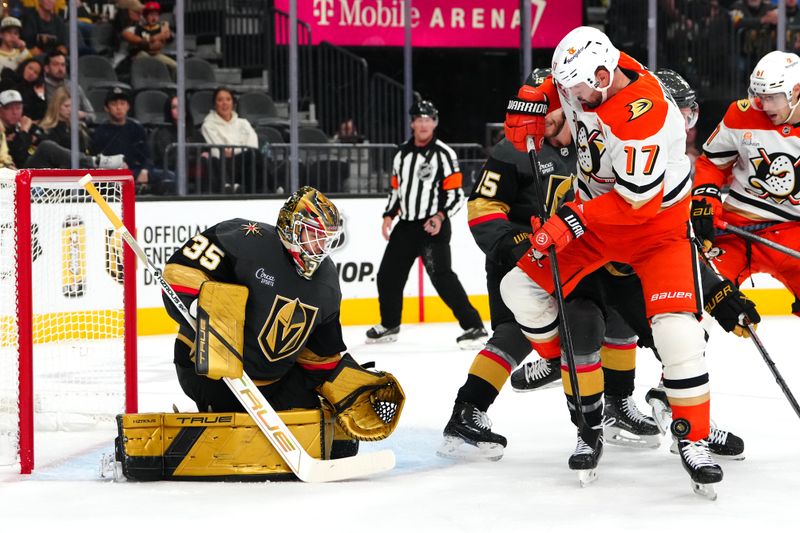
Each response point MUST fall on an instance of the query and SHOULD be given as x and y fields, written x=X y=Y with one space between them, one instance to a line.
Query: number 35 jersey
x=288 y=319
x=633 y=143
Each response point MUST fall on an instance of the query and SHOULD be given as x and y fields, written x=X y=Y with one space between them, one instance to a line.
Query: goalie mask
x=771 y=85
x=310 y=227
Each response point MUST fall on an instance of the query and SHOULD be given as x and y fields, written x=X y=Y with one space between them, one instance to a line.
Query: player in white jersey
x=755 y=150
x=633 y=207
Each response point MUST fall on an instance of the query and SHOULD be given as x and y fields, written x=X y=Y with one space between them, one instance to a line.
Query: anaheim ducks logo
x=287 y=328
x=591 y=148
x=776 y=177
x=639 y=107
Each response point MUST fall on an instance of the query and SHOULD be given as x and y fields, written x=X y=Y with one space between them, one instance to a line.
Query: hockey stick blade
x=305 y=467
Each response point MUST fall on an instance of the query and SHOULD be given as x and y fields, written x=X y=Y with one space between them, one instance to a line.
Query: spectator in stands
x=128 y=14
x=13 y=50
x=56 y=122
x=348 y=133
x=29 y=82
x=22 y=134
x=756 y=19
x=23 y=143
x=43 y=29
x=223 y=125
x=55 y=76
x=168 y=134
x=124 y=135
x=792 y=26
x=150 y=35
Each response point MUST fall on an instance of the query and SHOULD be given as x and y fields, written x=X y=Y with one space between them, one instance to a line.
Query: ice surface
x=530 y=489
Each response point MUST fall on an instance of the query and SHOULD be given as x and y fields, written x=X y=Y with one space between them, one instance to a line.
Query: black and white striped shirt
x=425 y=180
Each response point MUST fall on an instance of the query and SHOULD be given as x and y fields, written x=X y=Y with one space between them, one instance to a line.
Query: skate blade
x=456 y=448
x=473 y=345
x=551 y=385
x=383 y=340
x=662 y=413
x=622 y=437
x=587 y=477
x=705 y=490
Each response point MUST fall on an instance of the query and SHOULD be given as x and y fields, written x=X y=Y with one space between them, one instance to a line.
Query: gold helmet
x=310 y=227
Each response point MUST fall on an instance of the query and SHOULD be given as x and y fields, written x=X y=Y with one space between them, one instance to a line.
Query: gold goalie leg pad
x=214 y=446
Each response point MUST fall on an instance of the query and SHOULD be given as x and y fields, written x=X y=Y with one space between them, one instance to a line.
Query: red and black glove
x=525 y=118
x=567 y=224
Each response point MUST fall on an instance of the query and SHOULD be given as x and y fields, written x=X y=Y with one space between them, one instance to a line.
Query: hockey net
x=67 y=307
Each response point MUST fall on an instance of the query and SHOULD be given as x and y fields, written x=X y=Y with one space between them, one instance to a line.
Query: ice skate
x=630 y=426
x=537 y=375
x=379 y=334
x=468 y=436
x=721 y=444
x=587 y=455
x=696 y=460
x=472 y=339
x=662 y=412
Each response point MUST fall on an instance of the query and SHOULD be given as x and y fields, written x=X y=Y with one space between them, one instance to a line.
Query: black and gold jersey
x=503 y=199
x=289 y=319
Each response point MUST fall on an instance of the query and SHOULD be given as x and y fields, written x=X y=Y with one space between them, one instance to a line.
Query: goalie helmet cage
x=67 y=297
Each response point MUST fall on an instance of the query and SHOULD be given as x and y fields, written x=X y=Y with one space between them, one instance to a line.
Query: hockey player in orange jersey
x=633 y=197
x=755 y=150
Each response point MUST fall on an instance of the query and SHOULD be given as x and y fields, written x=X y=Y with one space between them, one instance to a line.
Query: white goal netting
x=76 y=278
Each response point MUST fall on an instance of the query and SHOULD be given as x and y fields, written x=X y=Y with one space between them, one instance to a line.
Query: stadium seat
x=149 y=73
x=199 y=105
x=259 y=109
x=97 y=72
x=269 y=134
x=103 y=38
x=307 y=135
x=148 y=107
x=200 y=74
x=97 y=97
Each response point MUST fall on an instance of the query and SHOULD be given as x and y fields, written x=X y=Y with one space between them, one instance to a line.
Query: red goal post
x=67 y=304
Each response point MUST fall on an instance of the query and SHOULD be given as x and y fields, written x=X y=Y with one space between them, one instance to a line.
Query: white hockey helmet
x=578 y=56
x=775 y=73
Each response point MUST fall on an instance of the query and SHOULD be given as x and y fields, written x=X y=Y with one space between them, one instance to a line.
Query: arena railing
x=362 y=169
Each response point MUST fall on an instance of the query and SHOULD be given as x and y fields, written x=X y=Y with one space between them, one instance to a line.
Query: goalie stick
x=305 y=467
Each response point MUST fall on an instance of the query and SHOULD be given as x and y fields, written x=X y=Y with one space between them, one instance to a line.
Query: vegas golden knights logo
x=557 y=189
x=287 y=328
x=114 y=255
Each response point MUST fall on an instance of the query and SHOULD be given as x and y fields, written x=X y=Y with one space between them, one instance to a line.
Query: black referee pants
x=408 y=241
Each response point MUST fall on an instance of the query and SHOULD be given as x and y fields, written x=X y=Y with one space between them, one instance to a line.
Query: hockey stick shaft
x=558 y=289
x=721 y=224
x=263 y=414
x=774 y=369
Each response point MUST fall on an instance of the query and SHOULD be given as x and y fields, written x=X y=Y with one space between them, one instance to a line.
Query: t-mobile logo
x=322 y=10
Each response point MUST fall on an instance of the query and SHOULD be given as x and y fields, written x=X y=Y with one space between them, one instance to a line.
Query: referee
x=426 y=192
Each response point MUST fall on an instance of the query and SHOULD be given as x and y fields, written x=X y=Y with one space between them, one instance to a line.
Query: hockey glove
x=567 y=224
x=367 y=403
x=705 y=203
x=732 y=309
x=525 y=116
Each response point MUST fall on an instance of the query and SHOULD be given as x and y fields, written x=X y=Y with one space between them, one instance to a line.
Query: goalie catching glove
x=219 y=340
x=732 y=309
x=367 y=403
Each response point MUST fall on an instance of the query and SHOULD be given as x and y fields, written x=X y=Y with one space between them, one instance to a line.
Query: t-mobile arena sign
x=436 y=23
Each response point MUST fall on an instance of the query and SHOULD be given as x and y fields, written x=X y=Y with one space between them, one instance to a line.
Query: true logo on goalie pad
x=287 y=327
